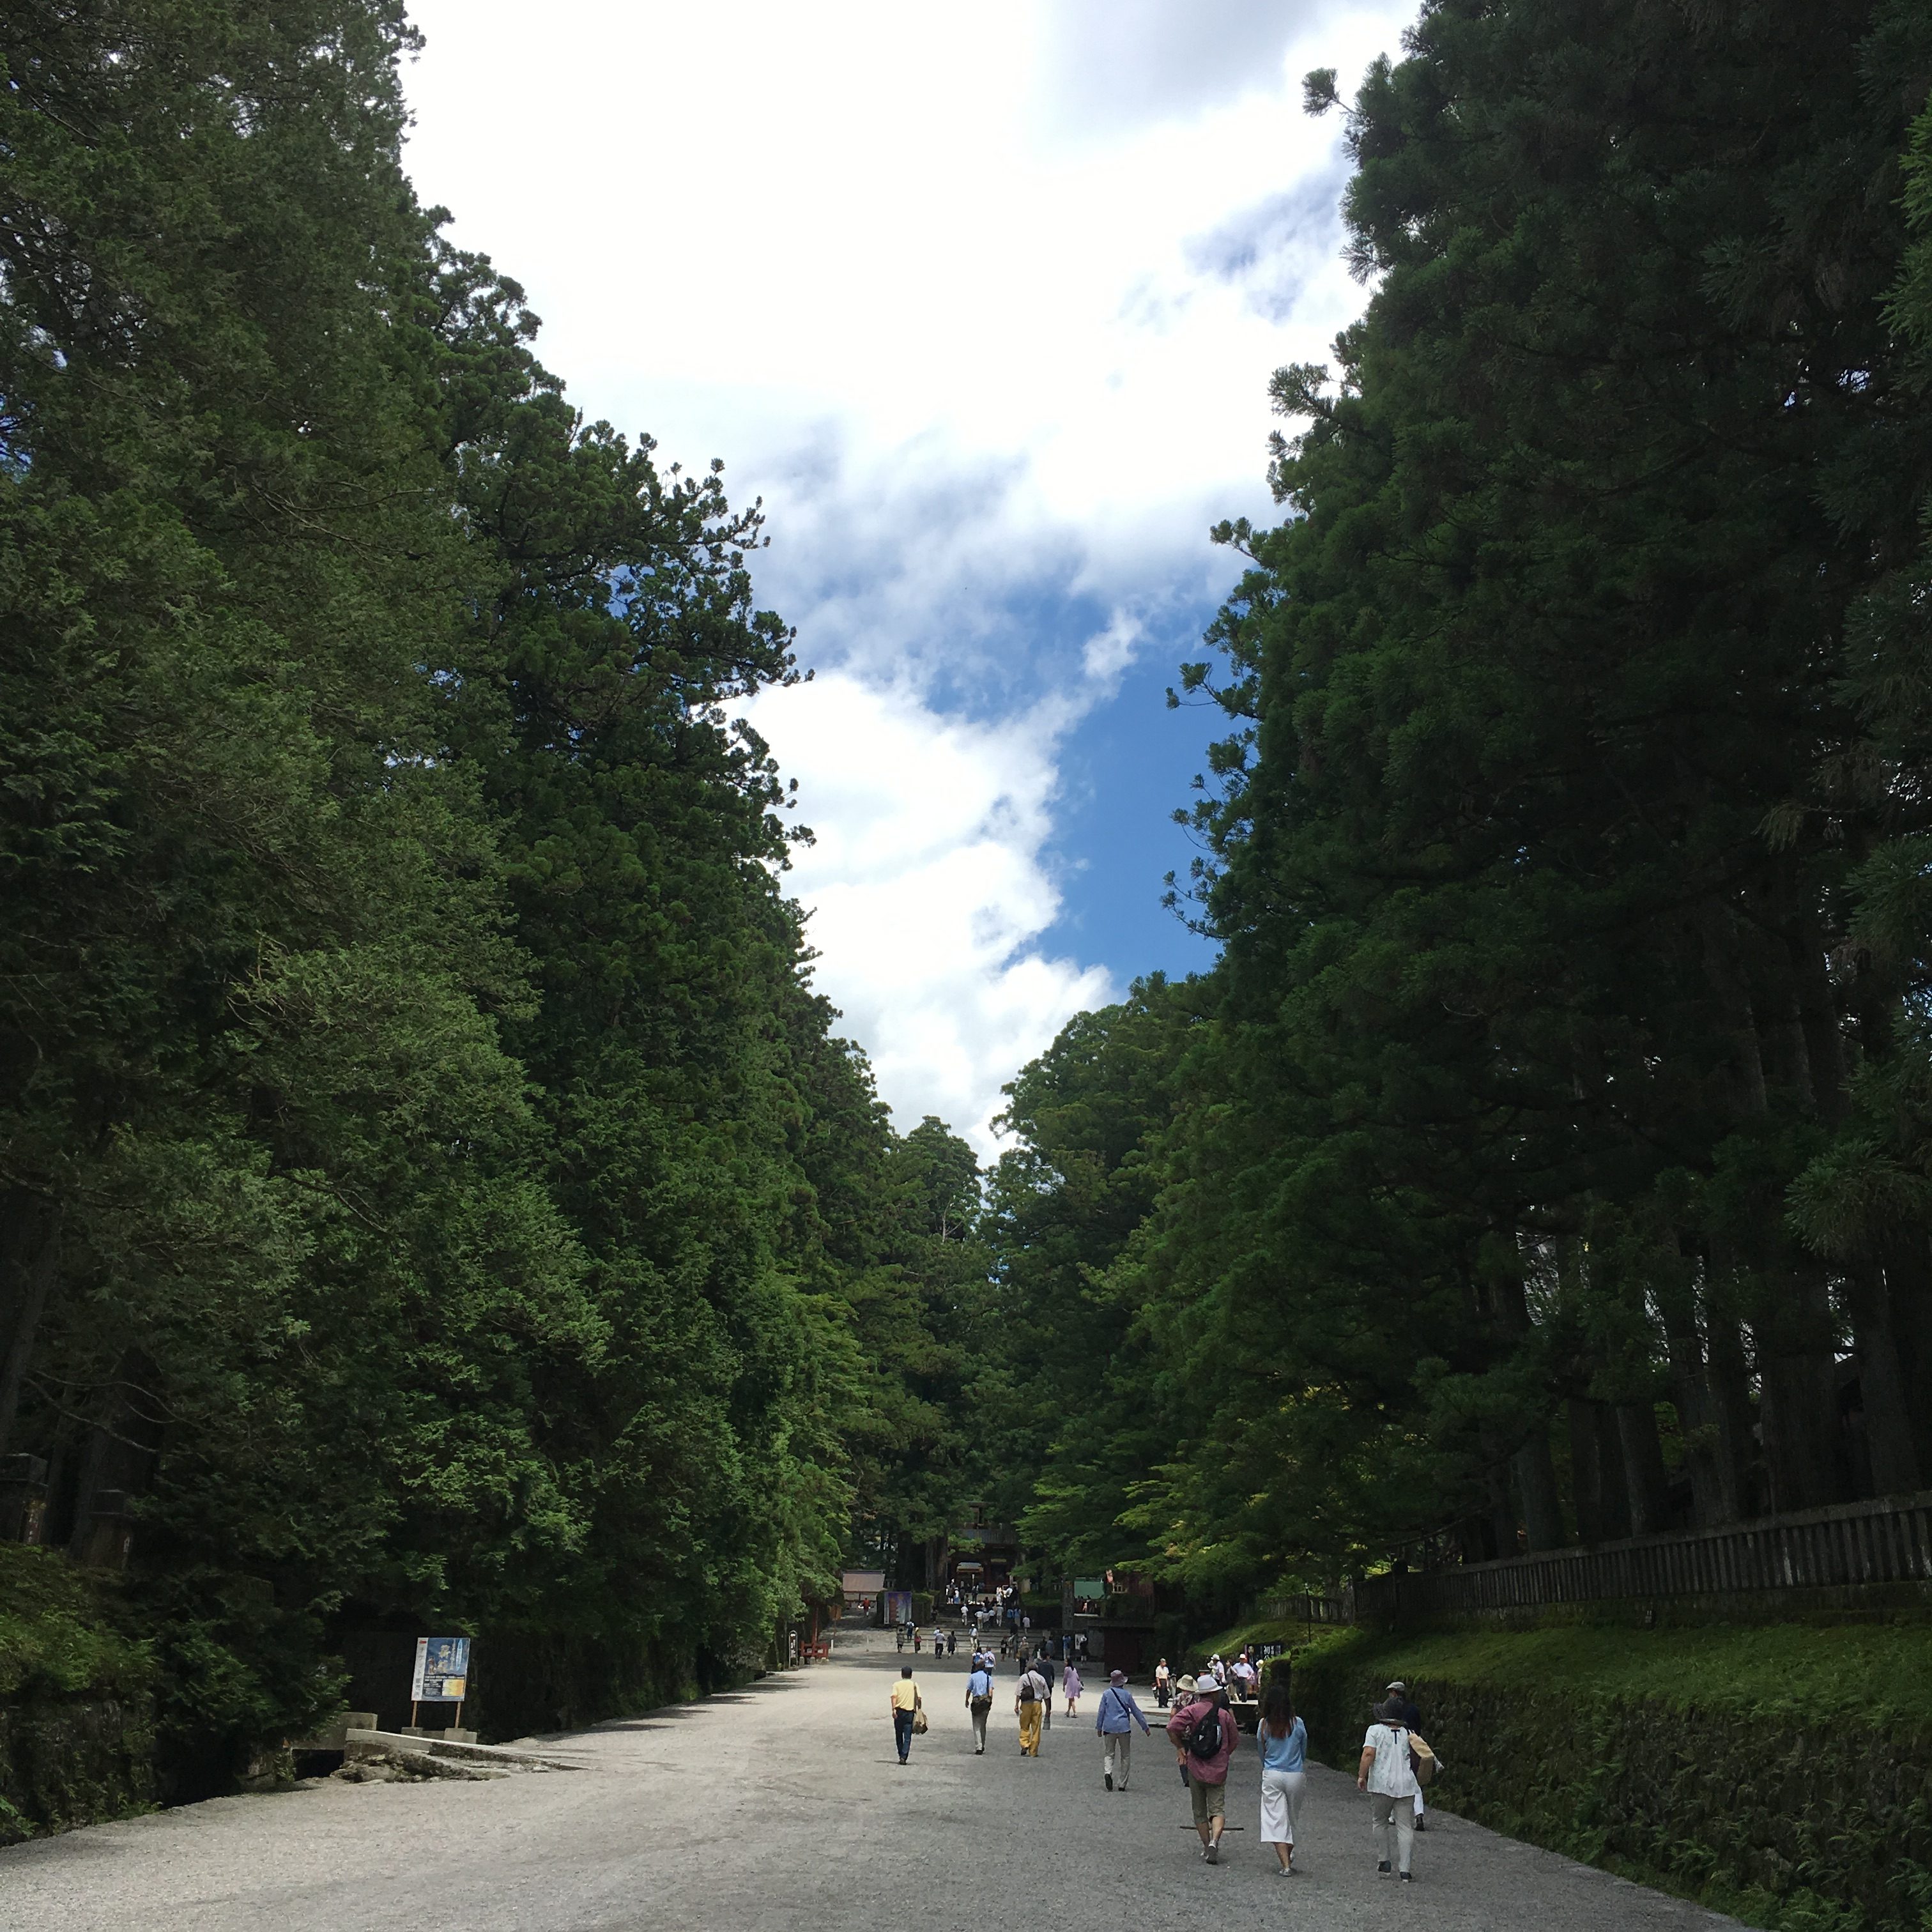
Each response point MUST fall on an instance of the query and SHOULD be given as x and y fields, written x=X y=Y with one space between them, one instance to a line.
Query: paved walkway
x=784 y=1806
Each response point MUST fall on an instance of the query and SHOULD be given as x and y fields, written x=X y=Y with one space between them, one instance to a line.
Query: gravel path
x=784 y=1806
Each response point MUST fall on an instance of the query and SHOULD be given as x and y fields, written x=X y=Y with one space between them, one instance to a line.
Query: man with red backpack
x=1203 y=1734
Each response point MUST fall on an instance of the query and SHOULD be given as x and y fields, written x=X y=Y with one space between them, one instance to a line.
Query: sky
x=981 y=303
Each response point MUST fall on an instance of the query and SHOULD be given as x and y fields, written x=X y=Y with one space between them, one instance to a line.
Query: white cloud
x=927 y=889
x=983 y=302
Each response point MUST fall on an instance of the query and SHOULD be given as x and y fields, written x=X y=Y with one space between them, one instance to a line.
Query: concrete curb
x=373 y=1744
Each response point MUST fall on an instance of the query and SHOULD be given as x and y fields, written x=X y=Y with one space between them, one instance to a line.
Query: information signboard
x=442 y=1670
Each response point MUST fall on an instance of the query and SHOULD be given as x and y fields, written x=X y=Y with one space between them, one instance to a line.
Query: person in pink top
x=1070 y=1685
x=1203 y=1734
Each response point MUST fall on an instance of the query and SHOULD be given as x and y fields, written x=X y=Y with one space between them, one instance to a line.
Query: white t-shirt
x=1391 y=1773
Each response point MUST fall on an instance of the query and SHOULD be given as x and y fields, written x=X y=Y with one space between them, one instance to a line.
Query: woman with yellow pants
x=1030 y=1706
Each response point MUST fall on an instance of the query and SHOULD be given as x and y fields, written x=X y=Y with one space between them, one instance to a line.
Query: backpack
x=1203 y=1739
x=1028 y=1694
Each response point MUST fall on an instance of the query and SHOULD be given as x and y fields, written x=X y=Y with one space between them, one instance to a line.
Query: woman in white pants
x=1283 y=1738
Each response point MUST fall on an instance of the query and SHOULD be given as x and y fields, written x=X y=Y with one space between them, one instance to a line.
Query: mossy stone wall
x=1819 y=1826
x=76 y=1700
x=69 y=1761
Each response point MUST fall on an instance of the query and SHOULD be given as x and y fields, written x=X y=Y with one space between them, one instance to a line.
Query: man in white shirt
x=980 y=1701
x=1386 y=1774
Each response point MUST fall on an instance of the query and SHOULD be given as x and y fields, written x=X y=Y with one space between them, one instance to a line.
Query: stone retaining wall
x=70 y=1761
x=1825 y=1828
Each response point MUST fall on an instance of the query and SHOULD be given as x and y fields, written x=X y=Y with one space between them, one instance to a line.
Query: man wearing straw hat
x=1114 y=1722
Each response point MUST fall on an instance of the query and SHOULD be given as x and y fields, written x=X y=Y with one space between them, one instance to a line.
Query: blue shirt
x=1118 y=1712
x=1287 y=1753
x=979 y=1685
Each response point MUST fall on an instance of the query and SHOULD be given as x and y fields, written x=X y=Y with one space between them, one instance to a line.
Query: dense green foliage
x=1545 y=1158
x=432 y=1192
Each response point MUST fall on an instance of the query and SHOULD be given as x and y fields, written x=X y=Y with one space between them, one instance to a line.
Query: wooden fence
x=1889 y=1541
x=1311 y=1609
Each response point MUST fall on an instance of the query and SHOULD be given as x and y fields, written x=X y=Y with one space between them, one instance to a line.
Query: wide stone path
x=784 y=1806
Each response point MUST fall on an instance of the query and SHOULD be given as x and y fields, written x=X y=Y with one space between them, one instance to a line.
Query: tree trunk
x=1643 y=1468
x=1596 y=1472
x=1542 y=1504
x=93 y=1467
x=1908 y=1277
x=28 y=1262
x=1823 y=1022
x=1799 y=1406
x=1883 y=1390
x=1502 y=1512
x=1713 y=1484
x=1727 y=1376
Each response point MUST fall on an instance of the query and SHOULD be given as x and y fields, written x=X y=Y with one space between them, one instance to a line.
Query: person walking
x=980 y=1703
x=1029 y=1697
x=1411 y=1718
x=1203 y=1733
x=1071 y=1686
x=1283 y=1738
x=1114 y=1723
x=952 y=1642
x=1163 y=1684
x=905 y=1708
x=1386 y=1774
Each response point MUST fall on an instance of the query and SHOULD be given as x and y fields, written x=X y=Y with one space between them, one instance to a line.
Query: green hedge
x=1781 y=1774
x=77 y=1701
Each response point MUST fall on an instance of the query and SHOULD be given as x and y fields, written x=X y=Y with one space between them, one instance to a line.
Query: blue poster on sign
x=442 y=1670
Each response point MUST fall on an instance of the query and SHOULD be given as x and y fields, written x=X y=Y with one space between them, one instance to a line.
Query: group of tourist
x=1202 y=1730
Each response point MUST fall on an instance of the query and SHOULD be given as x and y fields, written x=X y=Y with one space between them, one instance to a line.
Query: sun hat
x=1116 y=1677
x=1397 y=1685
x=1183 y=1684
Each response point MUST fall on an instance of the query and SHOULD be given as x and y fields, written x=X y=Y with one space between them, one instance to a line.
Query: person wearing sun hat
x=1203 y=1733
x=1183 y=1691
x=1386 y=1774
x=1113 y=1722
